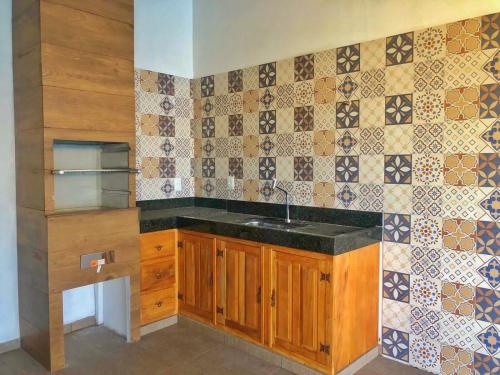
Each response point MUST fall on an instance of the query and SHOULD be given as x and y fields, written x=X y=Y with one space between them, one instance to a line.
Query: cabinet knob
x=159 y=248
x=159 y=303
x=158 y=275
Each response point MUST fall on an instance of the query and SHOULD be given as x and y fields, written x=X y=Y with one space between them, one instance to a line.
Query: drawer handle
x=159 y=303
x=159 y=248
x=158 y=275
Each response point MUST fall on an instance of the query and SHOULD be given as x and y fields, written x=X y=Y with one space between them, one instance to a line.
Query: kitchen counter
x=325 y=238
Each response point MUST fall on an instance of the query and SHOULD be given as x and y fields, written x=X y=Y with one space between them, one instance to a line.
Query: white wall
x=164 y=36
x=9 y=323
x=232 y=34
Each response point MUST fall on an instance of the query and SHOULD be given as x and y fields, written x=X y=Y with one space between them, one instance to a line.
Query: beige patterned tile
x=284 y=71
x=284 y=168
x=251 y=78
x=285 y=120
x=464 y=136
x=399 y=79
x=372 y=112
x=371 y=169
x=220 y=84
x=323 y=194
x=398 y=198
x=325 y=63
x=396 y=257
x=324 y=117
x=464 y=70
x=373 y=54
x=324 y=168
x=462 y=202
x=430 y=43
x=398 y=139
x=396 y=315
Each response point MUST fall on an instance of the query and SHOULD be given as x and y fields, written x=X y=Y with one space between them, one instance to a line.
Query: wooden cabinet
x=196 y=275
x=239 y=287
x=158 y=276
x=301 y=305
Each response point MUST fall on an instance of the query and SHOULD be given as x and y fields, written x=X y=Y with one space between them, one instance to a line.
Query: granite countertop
x=325 y=238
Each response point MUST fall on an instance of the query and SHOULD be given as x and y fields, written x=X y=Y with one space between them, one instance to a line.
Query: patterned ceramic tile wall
x=408 y=125
x=164 y=110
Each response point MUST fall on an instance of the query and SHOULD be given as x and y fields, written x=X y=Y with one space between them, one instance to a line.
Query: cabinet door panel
x=240 y=286
x=298 y=300
x=196 y=265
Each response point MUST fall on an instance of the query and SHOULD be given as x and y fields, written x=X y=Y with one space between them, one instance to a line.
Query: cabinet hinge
x=324 y=348
x=220 y=253
x=324 y=276
x=259 y=295
x=180 y=244
x=220 y=310
x=180 y=295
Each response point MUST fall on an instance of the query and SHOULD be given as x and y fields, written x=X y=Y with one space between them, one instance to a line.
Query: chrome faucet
x=275 y=186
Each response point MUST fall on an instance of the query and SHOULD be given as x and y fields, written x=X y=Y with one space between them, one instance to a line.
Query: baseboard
x=87 y=322
x=360 y=362
x=160 y=324
x=10 y=345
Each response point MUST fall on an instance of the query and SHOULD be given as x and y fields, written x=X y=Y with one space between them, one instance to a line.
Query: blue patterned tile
x=397 y=228
x=490 y=339
x=347 y=168
x=491 y=205
x=487 y=305
x=397 y=169
x=346 y=196
x=486 y=365
x=488 y=238
x=396 y=286
x=490 y=271
x=395 y=344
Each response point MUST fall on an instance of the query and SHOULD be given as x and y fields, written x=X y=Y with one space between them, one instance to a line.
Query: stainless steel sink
x=274 y=223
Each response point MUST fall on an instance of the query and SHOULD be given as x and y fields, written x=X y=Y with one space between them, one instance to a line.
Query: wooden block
x=157 y=244
x=74 y=109
x=68 y=27
x=158 y=305
x=72 y=69
x=158 y=274
x=120 y=10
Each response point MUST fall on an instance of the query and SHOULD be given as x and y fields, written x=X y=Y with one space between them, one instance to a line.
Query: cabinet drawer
x=157 y=305
x=157 y=244
x=158 y=274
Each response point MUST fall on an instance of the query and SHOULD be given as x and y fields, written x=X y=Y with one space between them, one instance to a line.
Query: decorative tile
x=398 y=169
x=325 y=63
x=396 y=286
x=429 y=107
x=398 y=139
x=463 y=36
x=427 y=200
x=323 y=143
x=372 y=140
x=396 y=256
x=373 y=83
x=347 y=169
x=460 y=267
x=490 y=339
x=348 y=59
x=399 y=79
x=424 y=323
x=235 y=167
x=166 y=84
x=267 y=74
x=457 y=299
x=395 y=344
x=324 y=90
x=396 y=315
x=489 y=101
x=323 y=194
x=208 y=167
x=285 y=71
x=465 y=70
x=303 y=118
x=347 y=114
x=284 y=143
x=485 y=364
x=166 y=167
x=491 y=66
x=373 y=53
x=149 y=167
x=251 y=190
x=459 y=234
x=490 y=272
x=425 y=354
x=429 y=75
x=490 y=31
x=425 y=261
x=430 y=43
x=462 y=103
x=235 y=81
x=425 y=292
x=235 y=125
x=302 y=143
x=302 y=193
x=251 y=101
x=397 y=228
x=267 y=168
x=348 y=86
x=462 y=201
x=324 y=168
x=492 y=136
x=268 y=145
x=460 y=169
x=488 y=238
x=304 y=67
x=207 y=86
x=464 y=136
x=398 y=109
x=285 y=95
x=456 y=361
x=460 y=331
x=399 y=49
x=426 y=231
x=346 y=141
x=303 y=168
x=487 y=305
x=427 y=169
x=371 y=169
x=267 y=122
x=488 y=170
x=304 y=93
x=346 y=196
x=491 y=206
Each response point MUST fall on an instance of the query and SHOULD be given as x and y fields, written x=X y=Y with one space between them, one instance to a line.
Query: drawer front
x=157 y=305
x=158 y=274
x=157 y=244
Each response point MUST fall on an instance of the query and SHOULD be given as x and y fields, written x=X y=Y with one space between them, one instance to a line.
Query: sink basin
x=274 y=223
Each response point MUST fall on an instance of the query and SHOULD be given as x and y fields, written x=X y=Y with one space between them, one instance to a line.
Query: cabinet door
x=300 y=290
x=196 y=276
x=239 y=287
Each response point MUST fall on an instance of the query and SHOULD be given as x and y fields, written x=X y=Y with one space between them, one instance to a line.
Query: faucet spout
x=287 y=200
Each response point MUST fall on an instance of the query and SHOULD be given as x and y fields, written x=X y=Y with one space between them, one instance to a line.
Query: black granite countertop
x=326 y=238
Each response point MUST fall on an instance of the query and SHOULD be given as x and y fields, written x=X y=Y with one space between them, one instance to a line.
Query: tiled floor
x=175 y=350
